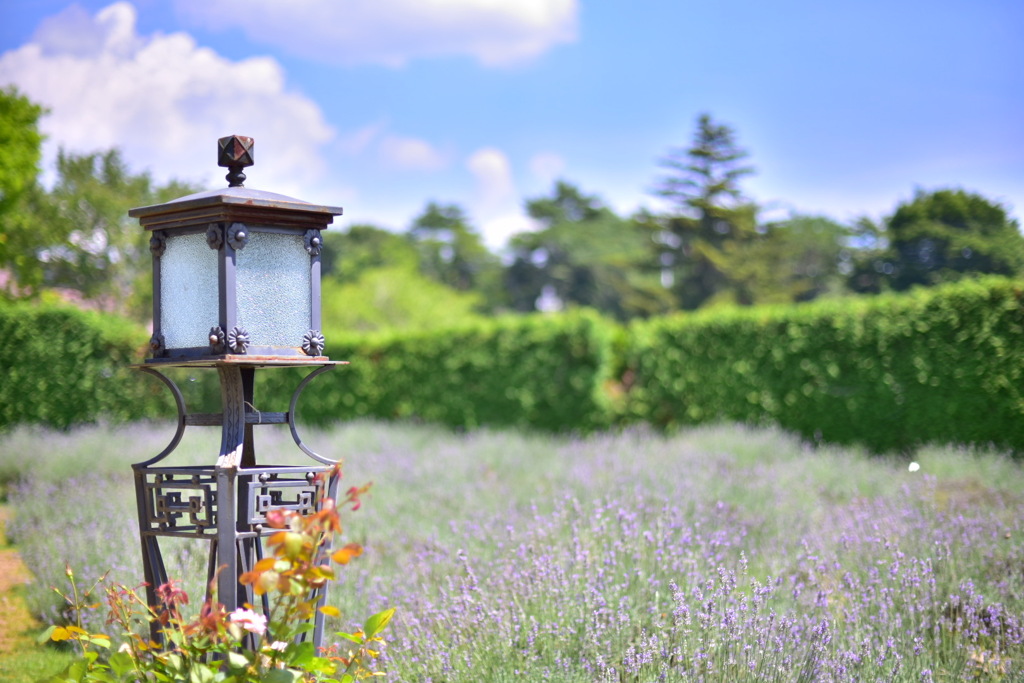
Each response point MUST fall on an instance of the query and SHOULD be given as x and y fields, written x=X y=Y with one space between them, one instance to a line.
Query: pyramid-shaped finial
x=234 y=153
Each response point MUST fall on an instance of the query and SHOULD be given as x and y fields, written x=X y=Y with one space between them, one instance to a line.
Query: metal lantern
x=236 y=271
x=236 y=279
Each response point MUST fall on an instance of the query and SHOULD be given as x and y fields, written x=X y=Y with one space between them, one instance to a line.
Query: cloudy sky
x=381 y=105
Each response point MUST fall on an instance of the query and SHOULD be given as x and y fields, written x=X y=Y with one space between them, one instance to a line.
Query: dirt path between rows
x=15 y=619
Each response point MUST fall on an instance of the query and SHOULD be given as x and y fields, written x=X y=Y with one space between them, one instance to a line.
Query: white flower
x=279 y=645
x=249 y=620
x=914 y=467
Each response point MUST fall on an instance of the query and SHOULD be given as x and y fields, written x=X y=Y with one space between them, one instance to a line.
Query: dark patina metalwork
x=313 y=343
x=229 y=218
x=235 y=152
x=225 y=504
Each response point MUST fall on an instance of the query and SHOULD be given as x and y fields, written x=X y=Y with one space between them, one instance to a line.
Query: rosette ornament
x=238 y=340
x=313 y=343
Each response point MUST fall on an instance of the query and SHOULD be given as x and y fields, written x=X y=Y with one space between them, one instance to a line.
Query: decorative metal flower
x=158 y=244
x=238 y=235
x=314 y=243
x=217 y=339
x=214 y=236
x=313 y=343
x=238 y=339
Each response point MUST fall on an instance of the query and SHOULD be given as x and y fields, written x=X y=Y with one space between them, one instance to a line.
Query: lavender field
x=718 y=554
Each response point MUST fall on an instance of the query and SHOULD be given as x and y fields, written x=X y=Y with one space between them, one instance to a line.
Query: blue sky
x=381 y=105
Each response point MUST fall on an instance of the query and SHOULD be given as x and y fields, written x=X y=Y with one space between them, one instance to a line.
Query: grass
x=718 y=554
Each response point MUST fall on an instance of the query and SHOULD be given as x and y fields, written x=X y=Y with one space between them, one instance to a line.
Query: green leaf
x=78 y=670
x=281 y=676
x=301 y=654
x=237 y=660
x=348 y=636
x=175 y=663
x=44 y=637
x=377 y=623
x=121 y=663
x=200 y=674
x=100 y=641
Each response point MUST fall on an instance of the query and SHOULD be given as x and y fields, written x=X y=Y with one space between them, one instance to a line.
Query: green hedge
x=538 y=372
x=943 y=365
x=936 y=366
x=62 y=366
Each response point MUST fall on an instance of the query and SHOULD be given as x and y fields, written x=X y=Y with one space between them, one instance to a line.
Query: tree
x=452 y=253
x=711 y=219
x=84 y=240
x=20 y=153
x=583 y=255
x=20 y=145
x=796 y=259
x=361 y=248
x=394 y=297
x=942 y=235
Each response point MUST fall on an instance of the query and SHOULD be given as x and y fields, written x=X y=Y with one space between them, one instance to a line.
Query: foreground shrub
x=242 y=646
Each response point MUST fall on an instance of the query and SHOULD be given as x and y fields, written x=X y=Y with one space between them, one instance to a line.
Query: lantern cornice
x=236 y=204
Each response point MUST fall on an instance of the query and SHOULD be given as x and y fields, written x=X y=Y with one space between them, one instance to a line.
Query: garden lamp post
x=236 y=288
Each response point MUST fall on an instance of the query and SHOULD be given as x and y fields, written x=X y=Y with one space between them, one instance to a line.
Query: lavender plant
x=718 y=554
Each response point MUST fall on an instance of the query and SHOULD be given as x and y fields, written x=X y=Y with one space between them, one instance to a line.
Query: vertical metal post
x=232 y=389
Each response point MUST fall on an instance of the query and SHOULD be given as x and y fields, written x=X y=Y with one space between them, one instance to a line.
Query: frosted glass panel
x=273 y=289
x=188 y=292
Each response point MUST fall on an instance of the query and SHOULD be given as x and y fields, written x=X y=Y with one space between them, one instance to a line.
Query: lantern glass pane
x=188 y=291
x=273 y=295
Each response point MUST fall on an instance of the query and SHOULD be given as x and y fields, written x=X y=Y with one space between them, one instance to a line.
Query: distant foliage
x=63 y=366
x=936 y=366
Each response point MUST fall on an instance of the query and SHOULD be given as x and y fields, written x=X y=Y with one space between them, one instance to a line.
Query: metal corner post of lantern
x=236 y=288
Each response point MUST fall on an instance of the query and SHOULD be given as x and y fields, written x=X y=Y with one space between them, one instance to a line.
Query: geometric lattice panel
x=296 y=490
x=181 y=502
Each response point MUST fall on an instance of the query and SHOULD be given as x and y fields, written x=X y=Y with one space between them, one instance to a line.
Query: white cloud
x=498 y=229
x=496 y=203
x=410 y=154
x=391 y=32
x=493 y=173
x=164 y=100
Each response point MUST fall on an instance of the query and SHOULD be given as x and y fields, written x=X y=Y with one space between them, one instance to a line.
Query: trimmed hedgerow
x=62 y=366
x=545 y=373
x=943 y=365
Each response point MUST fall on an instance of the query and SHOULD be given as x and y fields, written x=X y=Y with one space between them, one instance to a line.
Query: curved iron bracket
x=179 y=400
x=291 y=416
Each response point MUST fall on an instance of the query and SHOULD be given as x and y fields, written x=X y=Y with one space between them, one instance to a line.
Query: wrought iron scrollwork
x=179 y=401
x=292 y=416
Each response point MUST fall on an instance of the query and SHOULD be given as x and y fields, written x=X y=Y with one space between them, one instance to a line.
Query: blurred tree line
x=708 y=247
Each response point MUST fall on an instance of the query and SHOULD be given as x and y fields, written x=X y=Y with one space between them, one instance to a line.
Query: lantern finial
x=235 y=153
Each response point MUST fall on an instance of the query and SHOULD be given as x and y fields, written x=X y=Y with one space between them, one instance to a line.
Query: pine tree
x=711 y=219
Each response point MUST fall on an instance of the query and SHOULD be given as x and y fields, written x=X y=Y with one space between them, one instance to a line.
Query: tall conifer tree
x=711 y=219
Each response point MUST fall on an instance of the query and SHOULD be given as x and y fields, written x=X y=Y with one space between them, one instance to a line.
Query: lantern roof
x=236 y=203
